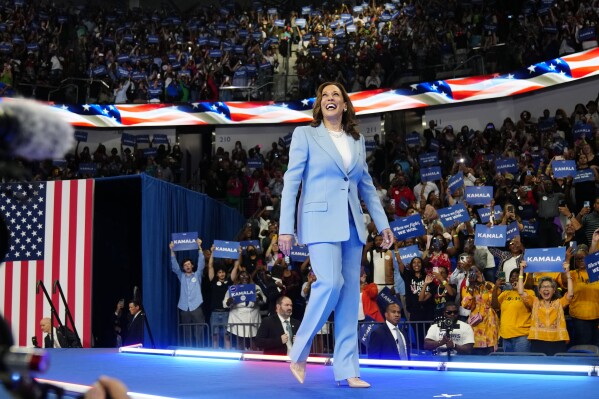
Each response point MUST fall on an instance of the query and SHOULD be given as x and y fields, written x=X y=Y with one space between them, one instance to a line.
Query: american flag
x=451 y=91
x=50 y=228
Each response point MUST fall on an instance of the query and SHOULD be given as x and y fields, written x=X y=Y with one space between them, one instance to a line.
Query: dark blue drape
x=167 y=209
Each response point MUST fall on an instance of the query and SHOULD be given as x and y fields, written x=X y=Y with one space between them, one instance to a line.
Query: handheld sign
x=243 y=293
x=485 y=213
x=406 y=254
x=408 y=227
x=509 y=165
x=563 y=168
x=583 y=175
x=87 y=169
x=80 y=135
x=245 y=244
x=529 y=229
x=493 y=236
x=592 y=263
x=456 y=181
x=430 y=174
x=428 y=159
x=385 y=298
x=185 y=241
x=478 y=195
x=299 y=253
x=453 y=214
x=226 y=249
x=545 y=259
x=512 y=230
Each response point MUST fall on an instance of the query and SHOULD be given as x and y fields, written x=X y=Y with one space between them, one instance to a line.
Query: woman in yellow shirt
x=584 y=307
x=548 y=333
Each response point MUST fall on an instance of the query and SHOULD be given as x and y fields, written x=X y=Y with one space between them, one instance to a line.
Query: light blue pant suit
x=330 y=221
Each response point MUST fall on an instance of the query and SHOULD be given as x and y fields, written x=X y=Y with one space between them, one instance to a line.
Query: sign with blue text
x=478 y=195
x=545 y=259
x=493 y=236
x=408 y=227
x=226 y=249
x=243 y=293
x=453 y=214
x=185 y=241
x=485 y=213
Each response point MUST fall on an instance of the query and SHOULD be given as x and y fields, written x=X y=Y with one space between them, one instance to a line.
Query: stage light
x=208 y=354
x=281 y=358
x=547 y=368
x=146 y=351
x=81 y=389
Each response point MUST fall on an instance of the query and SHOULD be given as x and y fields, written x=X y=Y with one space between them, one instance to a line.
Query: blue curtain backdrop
x=167 y=209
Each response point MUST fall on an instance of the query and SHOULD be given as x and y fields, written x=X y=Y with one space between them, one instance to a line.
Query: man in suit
x=135 y=328
x=58 y=337
x=274 y=335
x=387 y=341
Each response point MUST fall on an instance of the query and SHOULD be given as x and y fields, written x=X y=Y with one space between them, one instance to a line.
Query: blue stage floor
x=178 y=377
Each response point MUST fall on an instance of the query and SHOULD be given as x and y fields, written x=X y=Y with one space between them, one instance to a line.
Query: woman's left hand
x=388 y=238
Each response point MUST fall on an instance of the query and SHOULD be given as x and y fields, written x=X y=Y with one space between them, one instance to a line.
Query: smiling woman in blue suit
x=328 y=159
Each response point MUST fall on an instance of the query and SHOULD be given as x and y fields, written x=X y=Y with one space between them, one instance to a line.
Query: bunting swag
x=539 y=76
x=50 y=229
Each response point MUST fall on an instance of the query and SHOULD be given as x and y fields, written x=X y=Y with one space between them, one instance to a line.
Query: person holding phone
x=585 y=191
x=589 y=220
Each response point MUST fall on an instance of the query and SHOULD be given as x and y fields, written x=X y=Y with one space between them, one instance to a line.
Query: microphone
x=23 y=360
x=33 y=131
x=37 y=286
x=54 y=286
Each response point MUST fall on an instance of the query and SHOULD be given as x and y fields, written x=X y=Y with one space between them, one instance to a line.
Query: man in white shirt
x=458 y=336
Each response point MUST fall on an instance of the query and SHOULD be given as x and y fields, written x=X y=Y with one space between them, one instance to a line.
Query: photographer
x=449 y=332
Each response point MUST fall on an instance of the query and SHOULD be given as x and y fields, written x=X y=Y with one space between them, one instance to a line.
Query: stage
x=185 y=377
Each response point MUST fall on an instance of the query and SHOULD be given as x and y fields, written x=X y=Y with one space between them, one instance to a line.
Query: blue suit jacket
x=327 y=189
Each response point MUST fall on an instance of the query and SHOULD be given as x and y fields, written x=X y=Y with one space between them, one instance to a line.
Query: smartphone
x=435 y=269
x=587 y=204
x=573 y=245
x=501 y=275
x=463 y=259
x=510 y=208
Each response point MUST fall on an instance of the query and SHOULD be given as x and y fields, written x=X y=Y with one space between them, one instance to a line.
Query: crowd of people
x=171 y=55
x=482 y=281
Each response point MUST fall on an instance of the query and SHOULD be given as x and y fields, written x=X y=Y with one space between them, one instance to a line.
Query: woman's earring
x=345 y=110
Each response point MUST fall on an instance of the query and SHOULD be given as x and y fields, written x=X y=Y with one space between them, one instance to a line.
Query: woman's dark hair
x=348 y=120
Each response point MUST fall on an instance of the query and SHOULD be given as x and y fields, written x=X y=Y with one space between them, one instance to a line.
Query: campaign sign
x=253 y=243
x=366 y=328
x=408 y=227
x=403 y=204
x=185 y=241
x=493 y=236
x=512 y=230
x=485 y=213
x=430 y=174
x=80 y=136
x=299 y=253
x=452 y=214
x=226 y=249
x=128 y=139
x=545 y=259
x=243 y=293
x=428 y=159
x=87 y=169
x=406 y=254
x=385 y=298
x=254 y=163
x=478 y=195
x=582 y=130
x=592 y=263
x=150 y=152
x=456 y=181
x=529 y=229
x=160 y=139
x=142 y=138
x=413 y=139
x=564 y=168
x=61 y=163
x=509 y=165
x=583 y=175
x=434 y=145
